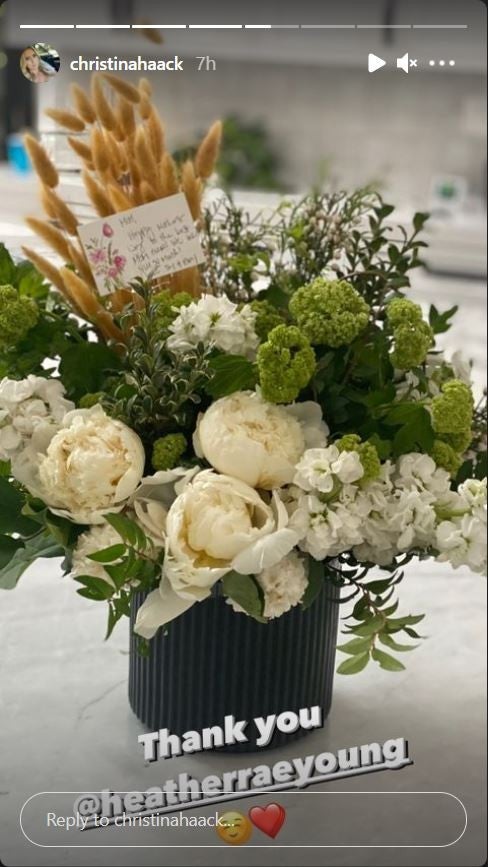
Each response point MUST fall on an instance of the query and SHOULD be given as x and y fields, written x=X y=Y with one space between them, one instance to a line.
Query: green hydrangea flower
x=18 y=315
x=329 y=312
x=165 y=302
x=286 y=364
x=452 y=410
x=412 y=337
x=460 y=442
x=267 y=318
x=167 y=451
x=91 y=399
x=445 y=457
x=367 y=452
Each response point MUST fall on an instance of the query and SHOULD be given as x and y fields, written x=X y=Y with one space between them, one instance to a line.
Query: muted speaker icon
x=402 y=62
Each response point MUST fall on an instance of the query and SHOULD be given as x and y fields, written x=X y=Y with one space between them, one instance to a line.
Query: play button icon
x=375 y=62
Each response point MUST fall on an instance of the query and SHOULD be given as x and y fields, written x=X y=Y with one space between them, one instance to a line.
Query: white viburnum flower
x=91 y=466
x=260 y=443
x=217 y=524
x=217 y=321
x=283 y=586
x=26 y=405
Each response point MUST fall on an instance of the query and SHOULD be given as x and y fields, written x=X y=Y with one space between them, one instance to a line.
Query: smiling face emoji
x=234 y=828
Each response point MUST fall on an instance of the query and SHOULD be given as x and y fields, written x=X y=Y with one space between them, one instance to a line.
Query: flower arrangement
x=280 y=420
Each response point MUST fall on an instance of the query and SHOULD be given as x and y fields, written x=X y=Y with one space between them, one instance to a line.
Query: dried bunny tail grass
x=67 y=119
x=79 y=260
x=146 y=160
x=134 y=171
x=145 y=107
x=90 y=307
x=41 y=162
x=156 y=134
x=145 y=86
x=80 y=148
x=119 y=199
x=137 y=197
x=125 y=117
x=100 y=151
x=97 y=195
x=50 y=235
x=121 y=298
x=147 y=192
x=49 y=271
x=83 y=104
x=169 y=175
x=192 y=188
x=124 y=88
x=105 y=113
x=62 y=213
x=47 y=202
x=208 y=152
x=118 y=160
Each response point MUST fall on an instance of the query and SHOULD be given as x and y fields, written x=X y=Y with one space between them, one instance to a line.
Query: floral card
x=149 y=241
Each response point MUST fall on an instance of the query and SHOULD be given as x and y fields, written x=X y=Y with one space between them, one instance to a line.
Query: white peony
x=283 y=586
x=95 y=539
x=215 y=321
x=91 y=466
x=26 y=405
x=217 y=524
x=151 y=501
x=258 y=442
x=321 y=469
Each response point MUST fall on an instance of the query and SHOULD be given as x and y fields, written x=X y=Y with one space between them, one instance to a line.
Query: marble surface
x=67 y=726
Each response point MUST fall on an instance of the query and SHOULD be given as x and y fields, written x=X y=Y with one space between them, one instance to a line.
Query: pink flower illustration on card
x=106 y=261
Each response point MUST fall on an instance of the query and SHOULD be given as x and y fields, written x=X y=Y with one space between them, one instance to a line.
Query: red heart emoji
x=268 y=819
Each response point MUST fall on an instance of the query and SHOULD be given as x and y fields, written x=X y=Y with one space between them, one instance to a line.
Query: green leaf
x=386 y=661
x=419 y=220
x=378 y=586
x=230 y=373
x=316 y=581
x=11 y=504
x=83 y=368
x=128 y=530
x=394 y=645
x=8 y=269
x=370 y=627
x=244 y=590
x=94 y=587
x=8 y=547
x=353 y=664
x=108 y=555
x=34 y=548
x=4 y=469
x=439 y=322
x=357 y=645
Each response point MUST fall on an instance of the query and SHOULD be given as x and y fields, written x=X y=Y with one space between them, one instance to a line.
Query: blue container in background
x=17 y=155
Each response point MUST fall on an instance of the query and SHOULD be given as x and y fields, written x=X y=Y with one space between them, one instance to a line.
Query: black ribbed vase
x=213 y=662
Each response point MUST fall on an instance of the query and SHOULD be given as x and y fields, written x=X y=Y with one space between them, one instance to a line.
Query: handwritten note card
x=152 y=240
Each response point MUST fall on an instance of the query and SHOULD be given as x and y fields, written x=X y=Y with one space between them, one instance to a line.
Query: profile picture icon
x=39 y=62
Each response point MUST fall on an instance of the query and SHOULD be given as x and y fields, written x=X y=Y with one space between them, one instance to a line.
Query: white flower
x=95 y=539
x=462 y=542
x=320 y=469
x=461 y=367
x=217 y=524
x=258 y=442
x=283 y=585
x=91 y=466
x=416 y=471
x=215 y=321
x=153 y=498
x=25 y=405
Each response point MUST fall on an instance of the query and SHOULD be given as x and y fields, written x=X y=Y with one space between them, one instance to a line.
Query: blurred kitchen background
x=300 y=109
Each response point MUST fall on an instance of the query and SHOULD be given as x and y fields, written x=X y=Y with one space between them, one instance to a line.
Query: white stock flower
x=416 y=471
x=217 y=524
x=283 y=586
x=215 y=320
x=320 y=469
x=95 y=539
x=461 y=535
x=91 y=466
x=25 y=405
x=244 y=436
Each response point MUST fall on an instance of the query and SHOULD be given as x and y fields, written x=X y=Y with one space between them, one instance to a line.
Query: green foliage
x=371 y=620
x=12 y=503
x=329 y=312
x=17 y=555
x=440 y=322
x=167 y=451
x=247 y=159
x=246 y=592
x=85 y=367
x=18 y=314
x=229 y=373
x=286 y=364
x=132 y=566
x=167 y=307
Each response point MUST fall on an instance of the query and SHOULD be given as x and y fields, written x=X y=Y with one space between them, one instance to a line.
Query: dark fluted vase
x=213 y=662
